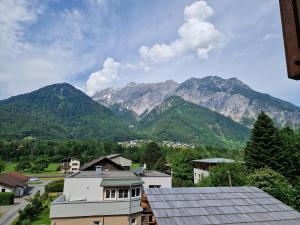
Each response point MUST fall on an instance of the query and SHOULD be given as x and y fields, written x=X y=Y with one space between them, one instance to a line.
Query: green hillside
x=178 y=120
x=59 y=111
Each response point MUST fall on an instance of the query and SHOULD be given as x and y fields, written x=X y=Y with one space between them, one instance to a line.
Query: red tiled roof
x=13 y=179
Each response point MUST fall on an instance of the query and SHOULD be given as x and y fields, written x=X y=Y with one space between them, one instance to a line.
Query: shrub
x=55 y=186
x=6 y=198
x=273 y=183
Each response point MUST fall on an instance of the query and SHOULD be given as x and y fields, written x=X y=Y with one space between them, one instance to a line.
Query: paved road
x=12 y=213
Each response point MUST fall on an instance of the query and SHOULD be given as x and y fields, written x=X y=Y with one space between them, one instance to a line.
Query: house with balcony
x=69 y=165
x=104 y=196
x=202 y=167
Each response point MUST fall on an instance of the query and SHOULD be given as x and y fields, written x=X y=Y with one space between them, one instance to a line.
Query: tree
x=40 y=164
x=23 y=165
x=226 y=174
x=265 y=147
x=161 y=165
x=291 y=147
x=273 y=183
x=152 y=154
x=182 y=166
x=2 y=166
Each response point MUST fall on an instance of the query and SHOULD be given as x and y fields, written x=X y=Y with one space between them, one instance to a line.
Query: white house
x=69 y=164
x=103 y=196
x=202 y=167
x=14 y=182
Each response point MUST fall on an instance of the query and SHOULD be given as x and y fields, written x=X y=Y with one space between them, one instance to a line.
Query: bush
x=273 y=183
x=55 y=186
x=7 y=198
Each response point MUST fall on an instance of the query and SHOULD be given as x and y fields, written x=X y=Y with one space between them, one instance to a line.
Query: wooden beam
x=290 y=16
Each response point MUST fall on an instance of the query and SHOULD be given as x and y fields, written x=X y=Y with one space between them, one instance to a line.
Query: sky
x=95 y=44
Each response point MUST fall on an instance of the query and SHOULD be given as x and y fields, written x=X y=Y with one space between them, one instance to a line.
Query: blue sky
x=94 y=44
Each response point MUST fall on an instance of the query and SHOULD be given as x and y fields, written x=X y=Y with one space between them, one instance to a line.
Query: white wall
x=164 y=182
x=199 y=174
x=7 y=189
x=88 y=189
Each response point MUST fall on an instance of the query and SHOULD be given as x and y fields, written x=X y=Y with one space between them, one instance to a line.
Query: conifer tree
x=265 y=147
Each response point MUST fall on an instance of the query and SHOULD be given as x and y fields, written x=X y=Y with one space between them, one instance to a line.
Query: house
x=14 y=182
x=106 y=197
x=69 y=164
x=125 y=162
x=105 y=163
x=215 y=206
x=202 y=166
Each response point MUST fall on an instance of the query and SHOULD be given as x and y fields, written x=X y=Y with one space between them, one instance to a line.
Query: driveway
x=12 y=213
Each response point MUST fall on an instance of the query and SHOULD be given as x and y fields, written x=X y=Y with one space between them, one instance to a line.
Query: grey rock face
x=140 y=98
x=230 y=97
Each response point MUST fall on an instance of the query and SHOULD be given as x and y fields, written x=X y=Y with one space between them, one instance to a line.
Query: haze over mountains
x=229 y=97
x=209 y=110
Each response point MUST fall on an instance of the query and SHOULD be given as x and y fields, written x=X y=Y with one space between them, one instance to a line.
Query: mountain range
x=229 y=97
x=209 y=110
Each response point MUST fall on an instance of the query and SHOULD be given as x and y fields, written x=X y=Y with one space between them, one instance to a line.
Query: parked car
x=34 y=179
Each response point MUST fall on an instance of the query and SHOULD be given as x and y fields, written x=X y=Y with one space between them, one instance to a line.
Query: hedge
x=7 y=198
x=55 y=186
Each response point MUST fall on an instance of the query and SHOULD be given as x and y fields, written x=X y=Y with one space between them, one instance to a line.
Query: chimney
x=98 y=170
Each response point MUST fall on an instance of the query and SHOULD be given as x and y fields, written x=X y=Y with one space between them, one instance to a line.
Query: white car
x=34 y=179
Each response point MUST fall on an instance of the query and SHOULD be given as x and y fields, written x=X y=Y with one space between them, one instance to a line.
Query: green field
x=51 y=170
x=43 y=218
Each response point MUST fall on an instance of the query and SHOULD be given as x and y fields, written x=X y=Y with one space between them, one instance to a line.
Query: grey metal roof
x=153 y=173
x=214 y=160
x=63 y=209
x=121 y=182
x=219 y=205
x=103 y=174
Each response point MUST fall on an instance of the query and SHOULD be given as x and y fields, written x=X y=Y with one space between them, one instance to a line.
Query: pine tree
x=265 y=147
x=152 y=154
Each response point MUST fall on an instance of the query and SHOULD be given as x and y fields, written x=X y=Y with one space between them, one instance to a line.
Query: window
x=97 y=223
x=3 y=190
x=154 y=186
x=133 y=221
x=123 y=193
x=110 y=194
x=135 y=192
x=74 y=164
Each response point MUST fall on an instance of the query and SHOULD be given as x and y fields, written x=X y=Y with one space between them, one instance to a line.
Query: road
x=12 y=213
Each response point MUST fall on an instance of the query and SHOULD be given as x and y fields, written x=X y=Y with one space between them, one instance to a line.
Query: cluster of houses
x=107 y=191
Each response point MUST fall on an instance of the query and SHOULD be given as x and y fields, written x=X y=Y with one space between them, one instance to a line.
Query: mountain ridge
x=229 y=97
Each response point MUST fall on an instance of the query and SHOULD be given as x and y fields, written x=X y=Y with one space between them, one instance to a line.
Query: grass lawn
x=51 y=170
x=43 y=218
x=135 y=166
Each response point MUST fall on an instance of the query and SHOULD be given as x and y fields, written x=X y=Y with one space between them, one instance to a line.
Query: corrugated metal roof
x=219 y=205
x=121 y=182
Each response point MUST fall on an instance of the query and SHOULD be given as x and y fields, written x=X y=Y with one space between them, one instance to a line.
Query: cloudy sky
x=94 y=44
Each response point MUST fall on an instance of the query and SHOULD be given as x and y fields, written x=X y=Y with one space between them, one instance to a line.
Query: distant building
x=104 y=162
x=14 y=182
x=202 y=166
x=104 y=195
x=69 y=164
x=215 y=206
x=125 y=162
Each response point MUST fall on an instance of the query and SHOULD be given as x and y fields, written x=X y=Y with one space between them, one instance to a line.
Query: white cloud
x=196 y=34
x=103 y=78
x=55 y=55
